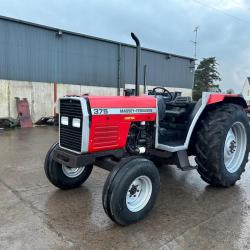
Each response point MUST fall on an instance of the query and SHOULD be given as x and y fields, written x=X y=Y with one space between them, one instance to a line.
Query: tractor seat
x=178 y=107
x=181 y=101
x=175 y=111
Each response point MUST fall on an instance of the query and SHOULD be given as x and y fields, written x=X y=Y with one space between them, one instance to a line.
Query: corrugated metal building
x=34 y=57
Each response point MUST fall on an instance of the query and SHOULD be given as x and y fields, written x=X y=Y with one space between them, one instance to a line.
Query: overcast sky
x=167 y=25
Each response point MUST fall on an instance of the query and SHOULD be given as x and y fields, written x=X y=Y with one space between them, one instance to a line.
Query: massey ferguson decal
x=120 y=111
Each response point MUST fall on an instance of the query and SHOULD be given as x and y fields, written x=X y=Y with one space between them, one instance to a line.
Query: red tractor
x=131 y=135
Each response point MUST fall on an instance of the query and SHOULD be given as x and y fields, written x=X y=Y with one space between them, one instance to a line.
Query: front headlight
x=65 y=120
x=76 y=123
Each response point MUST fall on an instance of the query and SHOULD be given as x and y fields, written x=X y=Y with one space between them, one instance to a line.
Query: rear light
x=65 y=120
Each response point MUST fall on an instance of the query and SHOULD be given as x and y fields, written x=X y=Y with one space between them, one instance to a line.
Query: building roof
x=87 y=36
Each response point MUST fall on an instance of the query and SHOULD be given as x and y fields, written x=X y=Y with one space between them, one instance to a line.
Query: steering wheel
x=164 y=91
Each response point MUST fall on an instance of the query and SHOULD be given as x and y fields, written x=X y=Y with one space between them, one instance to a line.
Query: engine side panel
x=111 y=118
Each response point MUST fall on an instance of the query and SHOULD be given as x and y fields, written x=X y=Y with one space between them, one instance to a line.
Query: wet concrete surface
x=36 y=215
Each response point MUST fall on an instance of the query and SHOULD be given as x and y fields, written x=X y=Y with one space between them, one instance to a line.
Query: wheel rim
x=235 y=147
x=72 y=172
x=139 y=193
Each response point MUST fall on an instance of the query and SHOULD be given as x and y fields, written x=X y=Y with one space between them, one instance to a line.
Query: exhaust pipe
x=138 y=59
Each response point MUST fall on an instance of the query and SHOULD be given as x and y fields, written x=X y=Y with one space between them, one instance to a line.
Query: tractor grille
x=71 y=137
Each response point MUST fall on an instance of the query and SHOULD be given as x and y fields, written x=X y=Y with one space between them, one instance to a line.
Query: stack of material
x=48 y=120
x=8 y=122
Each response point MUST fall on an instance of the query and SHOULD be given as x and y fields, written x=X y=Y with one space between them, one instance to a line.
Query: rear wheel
x=62 y=176
x=222 y=145
x=130 y=190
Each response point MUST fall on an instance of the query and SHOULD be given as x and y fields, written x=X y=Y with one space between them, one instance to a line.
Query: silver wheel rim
x=235 y=147
x=72 y=172
x=139 y=193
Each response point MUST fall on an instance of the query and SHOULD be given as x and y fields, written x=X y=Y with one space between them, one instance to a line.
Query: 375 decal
x=100 y=111
x=123 y=111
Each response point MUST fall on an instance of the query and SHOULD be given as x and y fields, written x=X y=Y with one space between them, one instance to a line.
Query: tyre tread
x=208 y=142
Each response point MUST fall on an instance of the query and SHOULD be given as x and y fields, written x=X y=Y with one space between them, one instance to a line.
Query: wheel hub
x=134 y=190
x=235 y=147
x=232 y=146
x=139 y=193
x=72 y=172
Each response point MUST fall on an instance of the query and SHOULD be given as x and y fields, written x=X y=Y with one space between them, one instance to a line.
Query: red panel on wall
x=23 y=112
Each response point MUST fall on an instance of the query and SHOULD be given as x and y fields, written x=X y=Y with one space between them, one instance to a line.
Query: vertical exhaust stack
x=138 y=60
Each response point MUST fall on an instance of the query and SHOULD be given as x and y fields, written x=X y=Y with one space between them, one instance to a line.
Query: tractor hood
x=122 y=101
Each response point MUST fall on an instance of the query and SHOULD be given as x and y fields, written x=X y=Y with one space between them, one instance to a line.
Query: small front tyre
x=63 y=176
x=131 y=190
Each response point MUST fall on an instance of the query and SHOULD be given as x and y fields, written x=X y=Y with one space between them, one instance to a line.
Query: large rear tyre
x=130 y=191
x=63 y=176
x=222 y=145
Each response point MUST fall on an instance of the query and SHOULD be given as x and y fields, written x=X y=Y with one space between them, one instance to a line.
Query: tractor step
x=187 y=168
x=182 y=161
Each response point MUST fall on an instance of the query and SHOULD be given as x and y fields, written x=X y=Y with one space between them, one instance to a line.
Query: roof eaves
x=88 y=36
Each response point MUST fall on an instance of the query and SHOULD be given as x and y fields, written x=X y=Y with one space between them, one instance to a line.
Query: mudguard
x=207 y=99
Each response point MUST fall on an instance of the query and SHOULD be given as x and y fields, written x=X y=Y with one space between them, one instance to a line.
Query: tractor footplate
x=182 y=161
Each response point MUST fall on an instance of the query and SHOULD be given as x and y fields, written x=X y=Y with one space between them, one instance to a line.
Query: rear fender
x=227 y=98
x=209 y=101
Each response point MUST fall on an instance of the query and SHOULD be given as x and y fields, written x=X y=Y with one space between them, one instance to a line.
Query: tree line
x=207 y=78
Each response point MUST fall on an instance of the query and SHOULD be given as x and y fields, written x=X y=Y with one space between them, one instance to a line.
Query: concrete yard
x=36 y=215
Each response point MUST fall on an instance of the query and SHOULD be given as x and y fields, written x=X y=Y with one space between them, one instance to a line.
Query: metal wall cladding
x=162 y=69
x=30 y=52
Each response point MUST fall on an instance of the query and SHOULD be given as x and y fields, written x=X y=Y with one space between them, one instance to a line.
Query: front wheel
x=222 y=145
x=62 y=176
x=131 y=190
